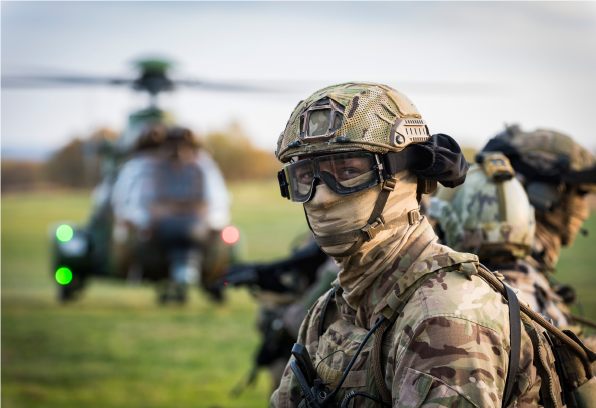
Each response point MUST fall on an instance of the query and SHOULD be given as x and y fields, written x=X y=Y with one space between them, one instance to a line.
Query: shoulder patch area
x=456 y=295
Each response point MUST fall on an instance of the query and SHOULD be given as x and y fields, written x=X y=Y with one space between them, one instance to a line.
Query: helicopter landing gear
x=69 y=292
x=172 y=292
x=184 y=270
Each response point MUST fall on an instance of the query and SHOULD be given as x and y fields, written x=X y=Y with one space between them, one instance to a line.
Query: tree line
x=78 y=164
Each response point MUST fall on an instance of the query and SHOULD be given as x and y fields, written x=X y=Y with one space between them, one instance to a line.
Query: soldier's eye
x=305 y=176
x=349 y=172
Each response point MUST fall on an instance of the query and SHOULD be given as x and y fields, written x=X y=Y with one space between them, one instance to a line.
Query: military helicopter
x=161 y=212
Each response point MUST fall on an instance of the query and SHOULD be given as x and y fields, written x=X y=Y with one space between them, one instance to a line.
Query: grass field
x=117 y=348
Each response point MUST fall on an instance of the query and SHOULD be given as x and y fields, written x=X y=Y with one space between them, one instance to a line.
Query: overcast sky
x=469 y=67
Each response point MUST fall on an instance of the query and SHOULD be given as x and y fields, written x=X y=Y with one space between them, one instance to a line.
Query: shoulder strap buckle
x=371 y=230
x=413 y=216
x=389 y=184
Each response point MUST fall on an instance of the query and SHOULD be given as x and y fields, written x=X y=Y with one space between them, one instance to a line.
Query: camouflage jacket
x=448 y=348
x=536 y=290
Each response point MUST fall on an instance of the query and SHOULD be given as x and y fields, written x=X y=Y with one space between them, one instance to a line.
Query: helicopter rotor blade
x=47 y=81
x=224 y=87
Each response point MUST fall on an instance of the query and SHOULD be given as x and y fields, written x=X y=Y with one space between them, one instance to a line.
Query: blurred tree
x=20 y=175
x=236 y=156
x=67 y=165
x=78 y=165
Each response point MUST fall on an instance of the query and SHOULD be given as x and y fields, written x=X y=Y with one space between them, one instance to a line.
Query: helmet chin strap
x=375 y=224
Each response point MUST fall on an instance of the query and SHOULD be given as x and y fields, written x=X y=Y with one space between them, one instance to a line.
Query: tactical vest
x=563 y=363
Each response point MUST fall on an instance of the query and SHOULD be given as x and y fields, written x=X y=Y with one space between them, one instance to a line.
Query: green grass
x=116 y=348
x=577 y=267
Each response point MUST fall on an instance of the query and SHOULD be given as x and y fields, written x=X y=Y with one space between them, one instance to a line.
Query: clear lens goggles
x=343 y=174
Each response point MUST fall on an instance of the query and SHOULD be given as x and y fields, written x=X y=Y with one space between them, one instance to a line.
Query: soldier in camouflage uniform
x=557 y=174
x=285 y=290
x=490 y=215
x=359 y=156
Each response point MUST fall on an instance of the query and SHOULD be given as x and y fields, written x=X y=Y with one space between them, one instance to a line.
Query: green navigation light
x=64 y=233
x=63 y=276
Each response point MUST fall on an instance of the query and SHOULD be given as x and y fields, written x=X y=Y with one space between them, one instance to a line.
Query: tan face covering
x=559 y=228
x=329 y=213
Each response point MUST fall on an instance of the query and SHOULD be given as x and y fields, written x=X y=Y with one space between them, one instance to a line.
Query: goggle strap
x=396 y=162
x=283 y=184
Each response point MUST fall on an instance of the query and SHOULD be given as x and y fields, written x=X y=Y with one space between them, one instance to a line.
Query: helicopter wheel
x=69 y=292
x=66 y=294
x=180 y=293
x=173 y=293
x=215 y=294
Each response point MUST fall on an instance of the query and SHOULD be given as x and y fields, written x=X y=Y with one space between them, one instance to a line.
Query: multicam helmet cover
x=557 y=173
x=349 y=117
x=489 y=214
x=547 y=150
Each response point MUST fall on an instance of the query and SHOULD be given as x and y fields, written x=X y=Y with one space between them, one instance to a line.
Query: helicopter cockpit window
x=145 y=181
x=179 y=182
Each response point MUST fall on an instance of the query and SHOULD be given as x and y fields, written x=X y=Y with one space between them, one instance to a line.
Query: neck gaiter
x=329 y=213
x=558 y=228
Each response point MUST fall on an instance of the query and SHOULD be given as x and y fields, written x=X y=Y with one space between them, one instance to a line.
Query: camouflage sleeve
x=458 y=357
x=450 y=362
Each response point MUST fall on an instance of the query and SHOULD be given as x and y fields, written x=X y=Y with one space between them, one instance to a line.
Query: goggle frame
x=283 y=176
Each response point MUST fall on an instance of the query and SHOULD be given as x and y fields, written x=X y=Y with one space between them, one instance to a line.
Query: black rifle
x=303 y=262
x=282 y=276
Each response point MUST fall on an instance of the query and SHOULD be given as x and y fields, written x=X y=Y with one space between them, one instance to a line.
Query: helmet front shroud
x=557 y=173
x=489 y=215
x=362 y=116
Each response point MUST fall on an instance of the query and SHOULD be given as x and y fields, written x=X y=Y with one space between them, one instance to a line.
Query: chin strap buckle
x=371 y=230
x=413 y=216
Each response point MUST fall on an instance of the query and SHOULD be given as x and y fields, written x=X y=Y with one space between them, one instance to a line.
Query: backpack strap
x=514 y=342
x=585 y=355
x=324 y=311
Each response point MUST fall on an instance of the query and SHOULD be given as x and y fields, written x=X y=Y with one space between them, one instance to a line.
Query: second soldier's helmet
x=489 y=214
x=557 y=173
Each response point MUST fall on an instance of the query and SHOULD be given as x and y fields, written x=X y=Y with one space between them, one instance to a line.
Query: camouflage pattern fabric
x=536 y=289
x=483 y=216
x=558 y=228
x=542 y=149
x=290 y=316
x=448 y=348
x=330 y=213
x=295 y=314
x=471 y=218
x=369 y=110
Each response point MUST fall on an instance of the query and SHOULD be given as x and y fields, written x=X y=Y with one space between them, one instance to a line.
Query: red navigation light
x=230 y=235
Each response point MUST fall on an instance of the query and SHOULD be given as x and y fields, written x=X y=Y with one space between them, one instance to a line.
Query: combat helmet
x=376 y=126
x=556 y=172
x=352 y=116
x=488 y=215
